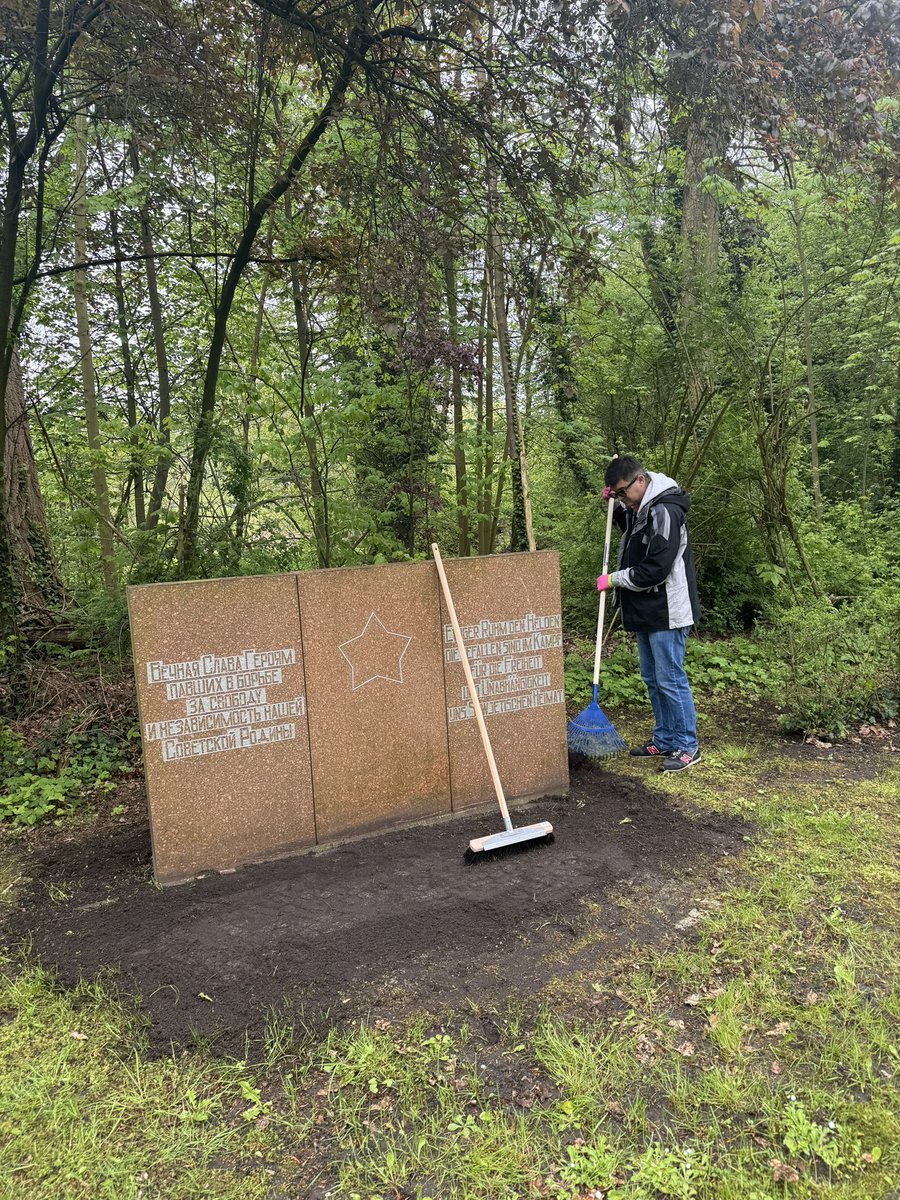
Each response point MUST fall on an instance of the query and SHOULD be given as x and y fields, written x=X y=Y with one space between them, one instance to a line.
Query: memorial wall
x=280 y=712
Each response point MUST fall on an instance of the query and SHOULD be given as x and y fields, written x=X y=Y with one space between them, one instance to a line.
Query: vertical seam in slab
x=312 y=774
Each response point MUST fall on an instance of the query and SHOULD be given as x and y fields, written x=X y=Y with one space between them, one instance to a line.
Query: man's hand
x=603 y=583
x=609 y=493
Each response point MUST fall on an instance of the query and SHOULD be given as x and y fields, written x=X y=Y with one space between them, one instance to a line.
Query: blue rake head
x=592 y=734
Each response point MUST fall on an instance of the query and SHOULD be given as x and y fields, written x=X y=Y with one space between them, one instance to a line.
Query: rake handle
x=470 y=683
x=602 y=613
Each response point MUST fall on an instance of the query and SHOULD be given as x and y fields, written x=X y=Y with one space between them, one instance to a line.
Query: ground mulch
x=386 y=924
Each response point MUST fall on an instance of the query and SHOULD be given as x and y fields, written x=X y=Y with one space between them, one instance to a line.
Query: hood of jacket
x=661 y=487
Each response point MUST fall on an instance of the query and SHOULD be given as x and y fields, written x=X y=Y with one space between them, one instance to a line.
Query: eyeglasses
x=620 y=492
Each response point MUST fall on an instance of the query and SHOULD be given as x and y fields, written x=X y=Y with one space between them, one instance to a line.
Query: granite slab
x=378 y=732
x=222 y=706
x=508 y=606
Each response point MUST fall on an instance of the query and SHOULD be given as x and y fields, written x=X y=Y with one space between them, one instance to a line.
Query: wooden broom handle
x=602 y=613
x=470 y=682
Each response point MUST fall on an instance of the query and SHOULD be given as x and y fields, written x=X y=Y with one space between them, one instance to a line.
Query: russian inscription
x=226 y=702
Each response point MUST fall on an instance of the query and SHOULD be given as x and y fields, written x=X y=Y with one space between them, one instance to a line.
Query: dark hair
x=623 y=467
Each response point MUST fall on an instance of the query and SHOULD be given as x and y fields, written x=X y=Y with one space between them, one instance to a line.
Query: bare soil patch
x=387 y=924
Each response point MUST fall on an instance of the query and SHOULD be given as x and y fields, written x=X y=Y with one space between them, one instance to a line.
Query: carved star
x=376 y=653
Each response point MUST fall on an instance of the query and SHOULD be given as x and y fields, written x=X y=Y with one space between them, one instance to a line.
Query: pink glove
x=603 y=583
x=609 y=493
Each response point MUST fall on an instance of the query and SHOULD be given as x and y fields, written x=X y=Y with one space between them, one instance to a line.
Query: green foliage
x=839 y=1149
x=737 y=666
x=842 y=663
x=670 y=1171
x=589 y=1164
x=52 y=778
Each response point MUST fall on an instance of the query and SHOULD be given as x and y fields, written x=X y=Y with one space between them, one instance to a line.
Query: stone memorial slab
x=222 y=704
x=508 y=606
x=374 y=670
x=282 y=711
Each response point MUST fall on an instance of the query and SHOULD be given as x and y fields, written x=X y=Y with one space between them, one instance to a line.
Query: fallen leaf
x=775 y=1068
x=693 y=999
x=686 y=1049
x=783 y=1172
x=761 y=1141
x=645 y=1050
x=714 y=1019
x=614 y=1108
x=203 y=996
x=676 y=1024
x=79 y=1037
x=690 y=920
x=811 y=998
x=778 y=1030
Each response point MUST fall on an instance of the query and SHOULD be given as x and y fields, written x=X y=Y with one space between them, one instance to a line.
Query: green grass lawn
x=751 y=1054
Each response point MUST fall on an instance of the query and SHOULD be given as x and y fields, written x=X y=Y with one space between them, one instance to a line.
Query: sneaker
x=680 y=760
x=650 y=750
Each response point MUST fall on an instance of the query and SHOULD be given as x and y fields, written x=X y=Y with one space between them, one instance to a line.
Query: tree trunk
x=164 y=458
x=704 y=140
x=129 y=374
x=89 y=382
x=26 y=524
x=806 y=327
x=522 y=533
x=318 y=498
x=893 y=484
x=459 y=446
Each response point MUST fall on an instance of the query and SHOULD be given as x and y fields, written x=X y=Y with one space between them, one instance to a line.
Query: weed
x=52 y=778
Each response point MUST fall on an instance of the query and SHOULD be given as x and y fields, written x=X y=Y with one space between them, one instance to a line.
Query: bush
x=52 y=779
x=842 y=663
x=620 y=678
x=738 y=665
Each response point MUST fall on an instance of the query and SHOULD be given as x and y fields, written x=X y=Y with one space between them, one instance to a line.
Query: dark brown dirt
x=383 y=924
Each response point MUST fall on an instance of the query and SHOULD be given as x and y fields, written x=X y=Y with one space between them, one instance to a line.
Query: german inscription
x=507 y=662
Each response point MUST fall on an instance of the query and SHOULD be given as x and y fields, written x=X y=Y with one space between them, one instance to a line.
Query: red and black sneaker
x=649 y=750
x=679 y=760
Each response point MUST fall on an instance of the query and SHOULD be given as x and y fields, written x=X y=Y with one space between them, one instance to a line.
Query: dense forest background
x=287 y=287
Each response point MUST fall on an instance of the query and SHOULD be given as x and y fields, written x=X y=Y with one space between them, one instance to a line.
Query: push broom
x=591 y=732
x=509 y=838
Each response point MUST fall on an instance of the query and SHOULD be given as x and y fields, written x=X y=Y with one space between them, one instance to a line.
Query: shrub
x=842 y=663
x=738 y=665
x=51 y=779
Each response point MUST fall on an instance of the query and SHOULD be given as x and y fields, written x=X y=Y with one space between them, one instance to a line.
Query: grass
x=751 y=1056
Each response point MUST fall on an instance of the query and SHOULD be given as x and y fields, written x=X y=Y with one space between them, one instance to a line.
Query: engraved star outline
x=381 y=631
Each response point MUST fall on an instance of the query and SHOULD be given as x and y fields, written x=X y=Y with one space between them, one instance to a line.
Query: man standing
x=657 y=590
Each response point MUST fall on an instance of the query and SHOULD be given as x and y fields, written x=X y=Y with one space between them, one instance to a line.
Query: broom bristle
x=592 y=734
x=480 y=856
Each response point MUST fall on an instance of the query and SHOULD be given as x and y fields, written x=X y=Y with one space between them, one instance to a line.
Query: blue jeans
x=662 y=670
